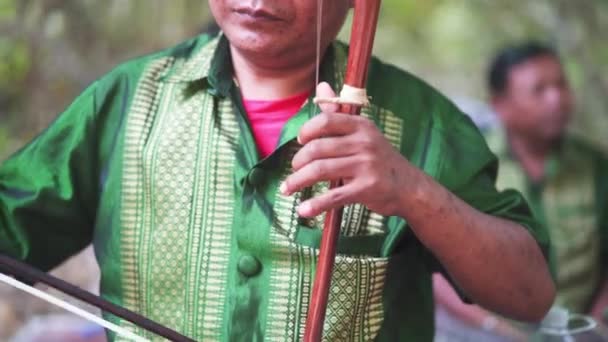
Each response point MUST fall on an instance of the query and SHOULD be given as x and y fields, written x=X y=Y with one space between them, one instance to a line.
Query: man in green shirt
x=563 y=178
x=156 y=164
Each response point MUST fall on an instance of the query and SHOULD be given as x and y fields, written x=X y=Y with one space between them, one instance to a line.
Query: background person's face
x=538 y=101
x=278 y=29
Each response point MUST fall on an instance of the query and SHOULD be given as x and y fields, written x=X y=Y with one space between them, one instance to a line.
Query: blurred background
x=51 y=49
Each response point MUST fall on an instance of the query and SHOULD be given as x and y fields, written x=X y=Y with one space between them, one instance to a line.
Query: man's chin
x=255 y=43
x=271 y=52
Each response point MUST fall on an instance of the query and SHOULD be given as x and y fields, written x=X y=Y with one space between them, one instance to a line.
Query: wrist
x=413 y=194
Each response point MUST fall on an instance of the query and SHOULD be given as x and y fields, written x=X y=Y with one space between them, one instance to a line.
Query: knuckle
x=368 y=147
x=367 y=160
x=349 y=144
x=366 y=142
x=295 y=163
x=298 y=161
x=366 y=123
x=338 y=196
x=324 y=121
x=372 y=181
x=314 y=148
x=320 y=169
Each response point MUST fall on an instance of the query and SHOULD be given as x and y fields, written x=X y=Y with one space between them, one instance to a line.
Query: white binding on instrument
x=349 y=96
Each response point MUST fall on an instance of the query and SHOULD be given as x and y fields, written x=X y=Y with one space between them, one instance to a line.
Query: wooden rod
x=362 y=40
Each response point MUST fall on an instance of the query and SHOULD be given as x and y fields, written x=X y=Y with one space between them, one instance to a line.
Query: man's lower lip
x=257 y=17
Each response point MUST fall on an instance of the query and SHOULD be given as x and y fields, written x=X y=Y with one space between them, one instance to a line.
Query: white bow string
x=71 y=308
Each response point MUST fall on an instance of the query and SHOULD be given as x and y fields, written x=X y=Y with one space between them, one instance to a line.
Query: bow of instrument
x=12 y=266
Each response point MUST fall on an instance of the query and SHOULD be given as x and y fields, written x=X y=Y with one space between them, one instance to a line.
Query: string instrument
x=352 y=98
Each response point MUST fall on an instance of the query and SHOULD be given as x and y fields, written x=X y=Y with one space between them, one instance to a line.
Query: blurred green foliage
x=51 y=49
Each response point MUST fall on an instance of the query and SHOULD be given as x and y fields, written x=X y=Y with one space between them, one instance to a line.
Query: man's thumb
x=324 y=91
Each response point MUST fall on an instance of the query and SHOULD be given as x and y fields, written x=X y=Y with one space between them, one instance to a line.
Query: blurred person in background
x=564 y=179
x=193 y=172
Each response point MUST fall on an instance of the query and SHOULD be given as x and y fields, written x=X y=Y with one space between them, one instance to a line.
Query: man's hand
x=351 y=148
x=496 y=262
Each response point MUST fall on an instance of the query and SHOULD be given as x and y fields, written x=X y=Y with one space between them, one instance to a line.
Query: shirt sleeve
x=48 y=189
x=469 y=170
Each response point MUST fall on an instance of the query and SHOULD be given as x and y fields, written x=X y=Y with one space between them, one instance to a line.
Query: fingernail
x=299 y=140
x=304 y=209
x=283 y=188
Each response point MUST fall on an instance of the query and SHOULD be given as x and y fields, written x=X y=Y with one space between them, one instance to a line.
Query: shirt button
x=249 y=265
x=257 y=176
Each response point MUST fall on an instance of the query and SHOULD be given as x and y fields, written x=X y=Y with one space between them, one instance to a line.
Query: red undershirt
x=267 y=119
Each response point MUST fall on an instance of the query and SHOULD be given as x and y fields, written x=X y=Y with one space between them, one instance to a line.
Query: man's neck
x=531 y=154
x=265 y=81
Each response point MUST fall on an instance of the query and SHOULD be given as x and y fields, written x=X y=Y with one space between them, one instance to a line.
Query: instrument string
x=71 y=308
x=315 y=109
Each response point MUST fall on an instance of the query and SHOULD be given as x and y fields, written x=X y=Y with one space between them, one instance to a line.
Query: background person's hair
x=510 y=57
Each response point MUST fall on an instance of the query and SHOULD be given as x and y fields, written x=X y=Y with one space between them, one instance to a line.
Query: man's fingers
x=324 y=148
x=327 y=125
x=332 y=199
x=324 y=91
x=317 y=171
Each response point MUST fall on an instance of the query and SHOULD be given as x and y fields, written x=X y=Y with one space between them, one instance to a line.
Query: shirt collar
x=208 y=59
x=499 y=143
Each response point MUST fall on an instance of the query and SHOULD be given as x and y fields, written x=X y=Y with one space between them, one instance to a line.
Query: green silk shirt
x=572 y=201
x=155 y=164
